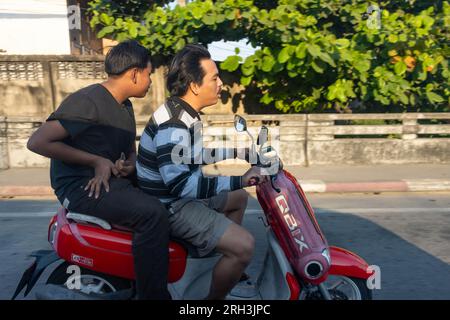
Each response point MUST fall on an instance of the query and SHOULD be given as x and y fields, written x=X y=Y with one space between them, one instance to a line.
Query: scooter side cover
x=106 y=251
x=292 y=220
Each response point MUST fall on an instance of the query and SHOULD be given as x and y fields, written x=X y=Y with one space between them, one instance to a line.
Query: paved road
x=407 y=235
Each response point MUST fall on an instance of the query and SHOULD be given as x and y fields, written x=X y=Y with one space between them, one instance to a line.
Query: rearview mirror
x=240 y=124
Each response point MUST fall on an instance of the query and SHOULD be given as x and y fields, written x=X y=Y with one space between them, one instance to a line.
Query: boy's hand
x=103 y=169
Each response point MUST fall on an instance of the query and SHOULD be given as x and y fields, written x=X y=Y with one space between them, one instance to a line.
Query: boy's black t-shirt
x=97 y=124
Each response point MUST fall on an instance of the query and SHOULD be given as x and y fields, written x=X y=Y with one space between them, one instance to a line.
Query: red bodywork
x=106 y=251
x=293 y=222
x=109 y=251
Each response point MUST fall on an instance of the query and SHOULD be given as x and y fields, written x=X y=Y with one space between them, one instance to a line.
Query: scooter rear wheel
x=91 y=282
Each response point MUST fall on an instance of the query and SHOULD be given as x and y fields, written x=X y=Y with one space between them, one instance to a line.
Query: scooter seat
x=84 y=218
x=87 y=219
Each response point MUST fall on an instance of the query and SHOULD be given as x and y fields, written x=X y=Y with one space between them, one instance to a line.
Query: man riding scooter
x=205 y=211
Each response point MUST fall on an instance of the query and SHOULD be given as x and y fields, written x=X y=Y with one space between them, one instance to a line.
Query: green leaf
x=248 y=67
x=106 y=30
x=313 y=49
x=292 y=74
x=340 y=94
x=316 y=67
x=209 y=20
x=231 y=15
x=326 y=58
x=427 y=21
x=231 y=63
x=133 y=30
x=266 y=98
x=403 y=98
x=279 y=104
x=342 y=43
x=168 y=28
x=107 y=20
x=197 y=12
x=331 y=95
x=393 y=38
x=434 y=97
x=245 y=81
x=267 y=63
x=300 y=51
x=284 y=55
x=400 y=68
x=180 y=44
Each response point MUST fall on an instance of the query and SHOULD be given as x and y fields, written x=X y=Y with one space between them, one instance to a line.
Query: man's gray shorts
x=199 y=221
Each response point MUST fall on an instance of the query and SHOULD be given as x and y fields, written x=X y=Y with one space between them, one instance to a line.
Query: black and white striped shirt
x=172 y=134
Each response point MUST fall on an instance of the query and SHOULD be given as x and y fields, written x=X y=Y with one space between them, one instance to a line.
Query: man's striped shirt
x=173 y=133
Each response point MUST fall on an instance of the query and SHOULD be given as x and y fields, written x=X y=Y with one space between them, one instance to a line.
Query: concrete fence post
x=4 y=157
x=409 y=129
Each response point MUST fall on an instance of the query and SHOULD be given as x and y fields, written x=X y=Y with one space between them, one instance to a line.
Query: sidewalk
x=339 y=178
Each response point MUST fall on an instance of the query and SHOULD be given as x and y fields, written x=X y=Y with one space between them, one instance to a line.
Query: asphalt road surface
x=406 y=234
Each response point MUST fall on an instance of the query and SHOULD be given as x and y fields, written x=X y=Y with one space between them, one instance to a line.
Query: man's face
x=209 y=91
x=143 y=81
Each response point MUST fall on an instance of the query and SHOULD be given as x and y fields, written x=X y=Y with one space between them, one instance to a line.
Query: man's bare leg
x=236 y=204
x=237 y=246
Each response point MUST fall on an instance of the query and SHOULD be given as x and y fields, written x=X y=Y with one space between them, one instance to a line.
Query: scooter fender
x=44 y=258
x=346 y=263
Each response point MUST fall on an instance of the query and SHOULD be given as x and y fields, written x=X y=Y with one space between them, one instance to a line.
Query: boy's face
x=142 y=81
x=209 y=91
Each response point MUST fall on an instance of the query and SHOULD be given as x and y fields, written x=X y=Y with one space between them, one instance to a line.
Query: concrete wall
x=31 y=87
x=35 y=85
x=299 y=139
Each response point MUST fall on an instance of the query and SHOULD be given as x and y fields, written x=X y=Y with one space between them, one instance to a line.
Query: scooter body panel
x=294 y=225
x=106 y=251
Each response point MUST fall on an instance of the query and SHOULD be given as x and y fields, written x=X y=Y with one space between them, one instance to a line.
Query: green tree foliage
x=313 y=55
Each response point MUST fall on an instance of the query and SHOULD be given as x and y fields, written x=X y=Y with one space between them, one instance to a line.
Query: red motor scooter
x=299 y=264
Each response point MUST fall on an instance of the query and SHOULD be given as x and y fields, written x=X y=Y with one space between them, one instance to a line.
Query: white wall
x=34 y=27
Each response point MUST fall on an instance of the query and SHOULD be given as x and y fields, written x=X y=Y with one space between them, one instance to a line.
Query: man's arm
x=212 y=155
x=177 y=175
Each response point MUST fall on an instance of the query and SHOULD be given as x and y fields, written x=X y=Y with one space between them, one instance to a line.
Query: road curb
x=26 y=191
x=311 y=186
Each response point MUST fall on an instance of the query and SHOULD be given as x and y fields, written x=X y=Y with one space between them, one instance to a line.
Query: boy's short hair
x=185 y=68
x=124 y=56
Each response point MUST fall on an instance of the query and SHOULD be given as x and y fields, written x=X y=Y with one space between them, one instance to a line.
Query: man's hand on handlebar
x=253 y=177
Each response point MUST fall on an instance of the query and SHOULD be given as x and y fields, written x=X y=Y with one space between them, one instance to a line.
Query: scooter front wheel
x=340 y=288
x=89 y=282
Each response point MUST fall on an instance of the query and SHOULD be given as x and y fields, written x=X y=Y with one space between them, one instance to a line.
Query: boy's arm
x=47 y=141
